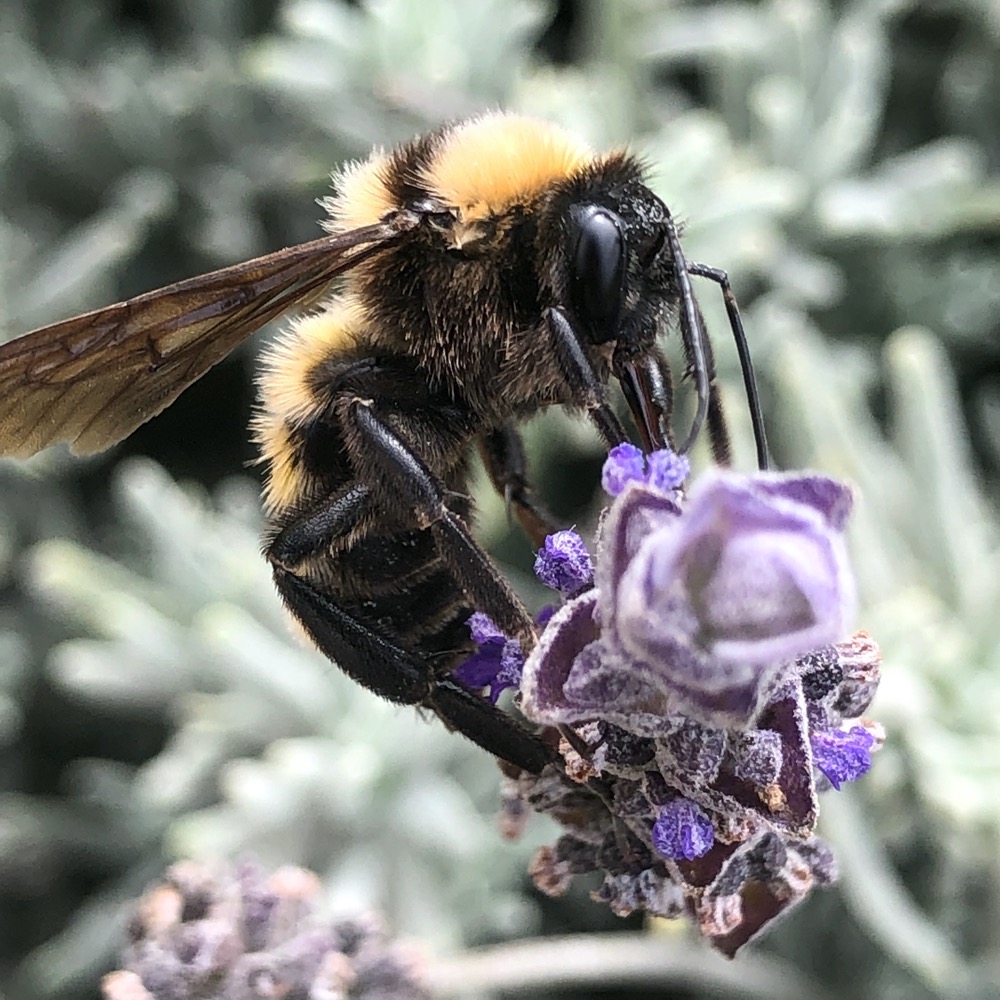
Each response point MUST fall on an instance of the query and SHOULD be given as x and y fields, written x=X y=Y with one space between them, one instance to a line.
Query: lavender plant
x=839 y=159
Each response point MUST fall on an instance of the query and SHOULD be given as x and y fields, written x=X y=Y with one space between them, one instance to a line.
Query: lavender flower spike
x=703 y=698
x=232 y=932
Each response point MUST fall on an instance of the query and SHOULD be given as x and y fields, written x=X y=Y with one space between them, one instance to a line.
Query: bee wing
x=91 y=380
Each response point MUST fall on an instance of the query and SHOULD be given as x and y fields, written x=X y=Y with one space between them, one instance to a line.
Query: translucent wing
x=91 y=380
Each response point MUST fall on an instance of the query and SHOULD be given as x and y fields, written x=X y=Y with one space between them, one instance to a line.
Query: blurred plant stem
x=634 y=960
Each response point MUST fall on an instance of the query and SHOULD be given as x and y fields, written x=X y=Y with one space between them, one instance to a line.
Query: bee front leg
x=585 y=387
x=503 y=455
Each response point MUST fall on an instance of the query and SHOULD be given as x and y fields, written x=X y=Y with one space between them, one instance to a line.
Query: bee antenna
x=743 y=350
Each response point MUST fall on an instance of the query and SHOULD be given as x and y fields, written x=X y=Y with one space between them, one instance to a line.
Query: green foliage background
x=840 y=160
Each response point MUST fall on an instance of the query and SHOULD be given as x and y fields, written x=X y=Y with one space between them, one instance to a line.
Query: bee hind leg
x=376 y=662
x=374 y=657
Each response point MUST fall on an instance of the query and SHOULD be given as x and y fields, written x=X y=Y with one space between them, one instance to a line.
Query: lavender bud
x=682 y=830
x=563 y=563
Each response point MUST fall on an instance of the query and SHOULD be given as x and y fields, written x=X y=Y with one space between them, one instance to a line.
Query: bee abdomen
x=399 y=587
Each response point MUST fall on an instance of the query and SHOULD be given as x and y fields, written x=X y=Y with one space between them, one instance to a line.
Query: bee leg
x=693 y=337
x=503 y=455
x=402 y=475
x=584 y=385
x=718 y=429
x=377 y=663
x=333 y=519
x=479 y=720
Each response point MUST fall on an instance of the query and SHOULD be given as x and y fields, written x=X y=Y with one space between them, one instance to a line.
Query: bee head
x=620 y=283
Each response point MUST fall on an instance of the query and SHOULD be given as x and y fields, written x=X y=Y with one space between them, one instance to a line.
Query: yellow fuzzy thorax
x=482 y=168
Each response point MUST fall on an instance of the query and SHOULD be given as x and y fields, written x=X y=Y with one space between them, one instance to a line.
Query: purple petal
x=511 y=667
x=682 y=830
x=548 y=666
x=842 y=756
x=563 y=563
x=625 y=464
x=829 y=498
x=630 y=520
x=667 y=470
x=480 y=669
x=483 y=630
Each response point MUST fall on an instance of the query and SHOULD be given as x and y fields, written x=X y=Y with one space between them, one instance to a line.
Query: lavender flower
x=625 y=464
x=682 y=830
x=662 y=470
x=496 y=664
x=563 y=563
x=237 y=934
x=698 y=613
x=700 y=688
x=842 y=756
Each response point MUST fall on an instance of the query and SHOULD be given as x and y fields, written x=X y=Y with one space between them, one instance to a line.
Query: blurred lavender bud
x=234 y=933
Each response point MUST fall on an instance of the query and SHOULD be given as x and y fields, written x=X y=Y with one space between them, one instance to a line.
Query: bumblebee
x=484 y=272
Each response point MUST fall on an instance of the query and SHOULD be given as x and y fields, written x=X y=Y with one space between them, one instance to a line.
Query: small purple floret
x=483 y=630
x=625 y=464
x=667 y=470
x=563 y=563
x=842 y=756
x=511 y=665
x=498 y=662
x=485 y=667
x=661 y=470
x=682 y=831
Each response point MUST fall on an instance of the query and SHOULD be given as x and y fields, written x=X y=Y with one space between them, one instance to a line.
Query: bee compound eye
x=598 y=271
